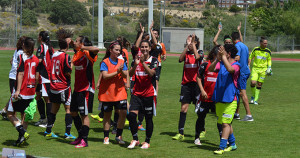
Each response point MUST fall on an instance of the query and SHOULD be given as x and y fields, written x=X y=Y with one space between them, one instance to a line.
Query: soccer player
x=112 y=90
x=44 y=53
x=13 y=72
x=261 y=66
x=242 y=58
x=60 y=79
x=206 y=81
x=84 y=88
x=189 y=88
x=23 y=93
x=143 y=67
x=226 y=93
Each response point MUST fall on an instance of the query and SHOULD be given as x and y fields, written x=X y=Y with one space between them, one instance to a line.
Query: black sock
x=149 y=127
x=78 y=125
x=200 y=123
x=21 y=130
x=48 y=108
x=51 y=120
x=41 y=108
x=68 y=122
x=101 y=113
x=119 y=132
x=220 y=128
x=106 y=133
x=133 y=125
x=85 y=133
x=182 y=119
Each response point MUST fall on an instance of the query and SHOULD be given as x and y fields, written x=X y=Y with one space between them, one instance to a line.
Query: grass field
x=274 y=133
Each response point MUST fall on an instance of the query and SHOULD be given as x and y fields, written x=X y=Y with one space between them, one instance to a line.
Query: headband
x=114 y=43
x=227 y=39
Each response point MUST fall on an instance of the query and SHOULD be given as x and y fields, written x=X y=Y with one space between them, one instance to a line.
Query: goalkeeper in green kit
x=261 y=67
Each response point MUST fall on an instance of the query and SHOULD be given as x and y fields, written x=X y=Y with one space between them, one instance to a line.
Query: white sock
x=18 y=124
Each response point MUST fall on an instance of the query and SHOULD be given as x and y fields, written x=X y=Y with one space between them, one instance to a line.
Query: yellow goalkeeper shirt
x=262 y=57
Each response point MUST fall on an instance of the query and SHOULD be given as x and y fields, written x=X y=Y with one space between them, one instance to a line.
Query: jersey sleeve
x=154 y=63
x=67 y=64
x=202 y=69
x=20 y=65
x=217 y=68
x=251 y=56
x=103 y=67
x=40 y=52
x=269 y=59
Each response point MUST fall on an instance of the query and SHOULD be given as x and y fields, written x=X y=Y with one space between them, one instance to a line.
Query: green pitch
x=274 y=133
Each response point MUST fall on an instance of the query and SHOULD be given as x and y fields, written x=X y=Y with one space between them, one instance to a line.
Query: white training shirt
x=14 y=65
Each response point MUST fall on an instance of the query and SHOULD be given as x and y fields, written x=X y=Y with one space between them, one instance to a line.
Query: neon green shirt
x=262 y=57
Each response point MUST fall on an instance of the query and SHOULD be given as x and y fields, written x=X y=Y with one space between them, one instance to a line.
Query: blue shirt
x=103 y=66
x=243 y=52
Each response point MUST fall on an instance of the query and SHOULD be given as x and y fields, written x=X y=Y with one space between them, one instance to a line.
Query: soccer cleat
x=141 y=128
x=76 y=142
x=236 y=116
x=145 y=145
x=202 y=134
x=97 y=118
x=82 y=144
x=197 y=141
x=4 y=115
x=26 y=136
x=133 y=144
x=20 y=141
x=126 y=123
x=50 y=135
x=69 y=136
x=247 y=118
x=106 y=140
x=41 y=122
x=219 y=151
x=119 y=140
x=178 y=137
x=252 y=100
x=231 y=148
x=255 y=103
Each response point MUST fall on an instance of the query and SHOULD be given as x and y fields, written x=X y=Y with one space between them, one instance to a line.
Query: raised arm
x=92 y=49
x=239 y=29
x=138 y=41
x=227 y=65
x=217 y=35
x=152 y=35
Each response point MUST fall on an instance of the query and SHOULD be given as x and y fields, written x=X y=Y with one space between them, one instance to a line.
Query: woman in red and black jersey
x=189 y=88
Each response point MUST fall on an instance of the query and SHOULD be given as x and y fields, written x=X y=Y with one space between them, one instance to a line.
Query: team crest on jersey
x=266 y=54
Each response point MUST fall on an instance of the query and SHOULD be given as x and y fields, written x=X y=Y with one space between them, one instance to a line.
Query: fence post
x=293 y=43
x=277 y=43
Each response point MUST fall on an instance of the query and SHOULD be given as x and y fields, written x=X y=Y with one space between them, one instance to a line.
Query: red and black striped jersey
x=60 y=67
x=190 y=69
x=144 y=84
x=28 y=65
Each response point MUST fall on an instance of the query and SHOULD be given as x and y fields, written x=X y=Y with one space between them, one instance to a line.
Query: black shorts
x=189 y=93
x=62 y=97
x=18 y=106
x=157 y=73
x=82 y=102
x=146 y=104
x=12 y=84
x=108 y=106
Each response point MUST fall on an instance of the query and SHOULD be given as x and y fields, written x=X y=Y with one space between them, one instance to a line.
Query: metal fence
x=275 y=43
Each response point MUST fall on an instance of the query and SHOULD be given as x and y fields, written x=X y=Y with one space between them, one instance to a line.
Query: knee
x=131 y=116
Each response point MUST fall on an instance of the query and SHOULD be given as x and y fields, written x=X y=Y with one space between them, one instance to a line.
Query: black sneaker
x=236 y=116
x=20 y=141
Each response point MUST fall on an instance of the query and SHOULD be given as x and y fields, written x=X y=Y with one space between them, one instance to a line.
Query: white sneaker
x=145 y=145
x=41 y=121
x=133 y=144
x=255 y=103
x=197 y=141
x=252 y=100
x=247 y=118
x=106 y=140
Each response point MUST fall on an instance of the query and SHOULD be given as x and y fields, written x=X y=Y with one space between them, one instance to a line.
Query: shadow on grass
x=206 y=145
x=11 y=143
x=172 y=134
